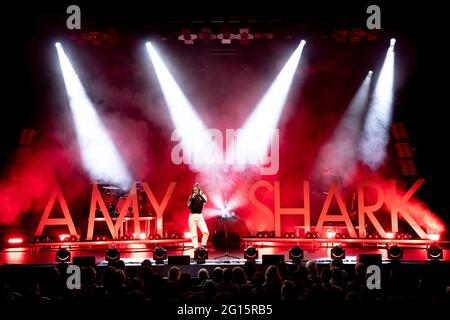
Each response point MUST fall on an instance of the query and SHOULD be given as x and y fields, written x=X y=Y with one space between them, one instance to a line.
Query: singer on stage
x=195 y=203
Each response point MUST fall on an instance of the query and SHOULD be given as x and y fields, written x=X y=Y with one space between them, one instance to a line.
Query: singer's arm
x=189 y=201
x=204 y=197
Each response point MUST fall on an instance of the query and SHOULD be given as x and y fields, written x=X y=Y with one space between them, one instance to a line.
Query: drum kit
x=114 y=198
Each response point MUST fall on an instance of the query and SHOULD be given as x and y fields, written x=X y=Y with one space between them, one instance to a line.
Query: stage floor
x=137 y=253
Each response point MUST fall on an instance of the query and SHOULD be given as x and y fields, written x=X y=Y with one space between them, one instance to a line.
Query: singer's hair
x=197 y=185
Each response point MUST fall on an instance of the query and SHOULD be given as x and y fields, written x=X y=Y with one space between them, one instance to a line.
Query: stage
x=133 y=252
x=295 y=139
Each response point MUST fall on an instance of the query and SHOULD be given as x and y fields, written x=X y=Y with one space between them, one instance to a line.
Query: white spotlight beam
x=256 y=133
x=376 y=128
x=196 y=141
x=341 y=152
x=99 y=154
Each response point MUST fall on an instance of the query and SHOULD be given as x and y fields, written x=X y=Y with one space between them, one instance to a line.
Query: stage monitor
x=86 y=261
x=272 y=258
x=370 y=259
x=179 y=260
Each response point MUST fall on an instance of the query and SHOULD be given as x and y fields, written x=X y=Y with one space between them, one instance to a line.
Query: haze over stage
x=311 y=129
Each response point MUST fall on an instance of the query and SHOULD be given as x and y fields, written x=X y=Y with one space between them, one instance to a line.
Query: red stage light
x=289 y=235
x=337 y=252
x=434 y=252
x=395 y=252
x=15 y=240
x=64 y=237
x=434 y=237
x=250 y=253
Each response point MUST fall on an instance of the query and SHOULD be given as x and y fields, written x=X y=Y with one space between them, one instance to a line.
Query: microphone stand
x=226 y=255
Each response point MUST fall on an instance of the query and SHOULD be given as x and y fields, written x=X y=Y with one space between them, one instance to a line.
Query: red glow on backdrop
x=15 y=240
x=132 y=136
x=29 y=183
x=64 y=237
x=140 y=127
x=225 y=187
x=434 y=237
x=427 y=219
x=415 y=207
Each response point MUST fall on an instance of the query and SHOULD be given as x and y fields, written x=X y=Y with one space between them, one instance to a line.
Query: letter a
x=74 y=280
x=324 y=217
x=74 y=20
x=374 y=279
x=374 y=20
x=47 y=221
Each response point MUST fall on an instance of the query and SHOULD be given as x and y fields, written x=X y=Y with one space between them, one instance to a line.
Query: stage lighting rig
x=62 y=256
x=337 y=252
x=201 y=255
x=112 y=254
x=159 y=255
x=395 y=252
x=434 y=252
x=296 y=254
x=250 y=253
